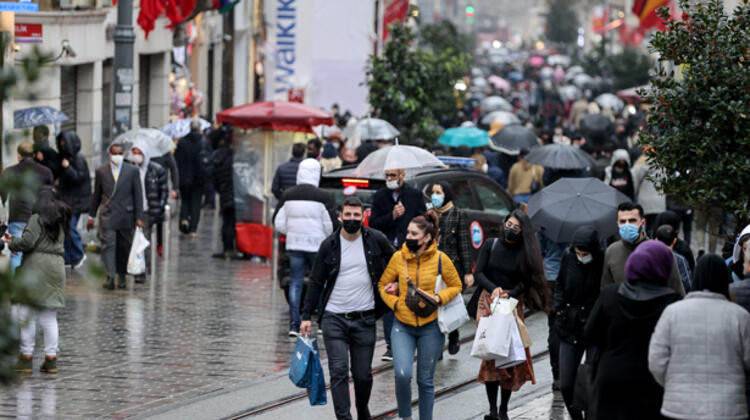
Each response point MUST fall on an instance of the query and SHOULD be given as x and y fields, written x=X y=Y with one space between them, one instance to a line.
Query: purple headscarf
x=651 y=262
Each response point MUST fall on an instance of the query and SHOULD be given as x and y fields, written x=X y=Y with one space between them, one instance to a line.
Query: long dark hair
x=531 y=263
x=54 y=214
x=712 y=274
x=428 y=223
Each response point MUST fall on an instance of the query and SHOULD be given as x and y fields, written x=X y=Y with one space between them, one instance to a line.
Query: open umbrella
x=495 y=103
x=499 y=83
x=515 y=76
x=536 y=61
x=327 y=131
x=583 y=80
x=596 y=128
x=573 y=71
x=570 y=203
x=37 y=115
x=180 y=128
x=504 y=117
x=464 y=136
x=511 y=139
x=397 y=157
x=569 y=93
x=479 y=82
x=160 y=142
x=560 y=156
x=546 y=72
x=608 y=100
x=558 y=59
x=371 y=129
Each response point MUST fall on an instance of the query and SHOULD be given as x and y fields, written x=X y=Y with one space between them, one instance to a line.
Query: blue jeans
x=298 y=262
x=15 y=229
x=73 y=244
x=427 y=340
x=522 y=198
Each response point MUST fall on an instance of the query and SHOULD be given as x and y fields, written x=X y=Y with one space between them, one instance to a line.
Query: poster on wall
x=320 y=47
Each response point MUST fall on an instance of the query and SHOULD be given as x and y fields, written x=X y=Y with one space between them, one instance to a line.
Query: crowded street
x=383 y=209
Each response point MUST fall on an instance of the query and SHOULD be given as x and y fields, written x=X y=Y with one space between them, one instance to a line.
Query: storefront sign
x=28 y=33
x=23 y=6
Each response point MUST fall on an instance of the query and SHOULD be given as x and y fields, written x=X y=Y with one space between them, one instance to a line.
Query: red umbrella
x=279 y=116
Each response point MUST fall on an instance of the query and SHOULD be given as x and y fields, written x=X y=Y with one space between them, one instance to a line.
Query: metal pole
x=167 y=228
x=152 y=250
x=124 y=38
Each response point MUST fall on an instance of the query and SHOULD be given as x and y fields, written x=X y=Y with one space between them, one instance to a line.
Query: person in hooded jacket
x=618 y=175
x=739 y=267
x=306 y=215
x=576 y=291
x=74 y=184
x=44 y=154
x=223 y=179
x=189 y=157
x=700 y=350
x=620 y=326
x=155 y=188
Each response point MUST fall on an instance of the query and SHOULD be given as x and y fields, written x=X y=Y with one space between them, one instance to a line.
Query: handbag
x=493 y=338
x=453 y=314
x=419 y=302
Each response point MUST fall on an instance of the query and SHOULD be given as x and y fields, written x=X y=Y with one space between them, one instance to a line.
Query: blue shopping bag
x=316 y=391
x=300 y=367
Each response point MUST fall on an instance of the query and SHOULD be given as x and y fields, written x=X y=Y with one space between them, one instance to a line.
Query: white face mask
x=485 y=167
x=392 y=184
x=585 y=259
x=116 y=159
x=137 y=159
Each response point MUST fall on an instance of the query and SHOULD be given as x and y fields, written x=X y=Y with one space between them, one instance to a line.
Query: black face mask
x=512 y=236
x=351 y=226
x=413 y=245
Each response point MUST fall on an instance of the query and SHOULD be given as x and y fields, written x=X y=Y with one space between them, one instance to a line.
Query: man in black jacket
x=347 y=270
x=43 y=152
x=393 y=207
x=75 y=190
x=286 y=174
x=20 y=206
x=223 y=179
x=189 y=156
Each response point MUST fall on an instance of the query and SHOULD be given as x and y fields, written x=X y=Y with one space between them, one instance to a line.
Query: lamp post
x=124 y=38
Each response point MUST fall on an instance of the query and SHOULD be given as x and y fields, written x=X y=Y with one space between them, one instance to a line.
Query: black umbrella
x=596 y=128
x=560 y=156
x=512 y=138
x=570 y=203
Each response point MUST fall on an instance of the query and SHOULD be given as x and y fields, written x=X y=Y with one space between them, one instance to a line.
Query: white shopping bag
x=517 y=353
x=492 y=339
x=452 y=315
x=137 y=257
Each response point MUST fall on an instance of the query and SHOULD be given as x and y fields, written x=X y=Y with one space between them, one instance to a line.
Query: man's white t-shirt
x=353 y=289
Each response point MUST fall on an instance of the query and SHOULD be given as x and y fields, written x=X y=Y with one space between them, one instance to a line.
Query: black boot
x=122 y=282
x=109 y=284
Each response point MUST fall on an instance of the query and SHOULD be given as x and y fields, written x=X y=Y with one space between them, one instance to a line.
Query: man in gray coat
x=117 y=190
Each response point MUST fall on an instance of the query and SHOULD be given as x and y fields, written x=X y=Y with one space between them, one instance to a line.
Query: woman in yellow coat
x=417 y=262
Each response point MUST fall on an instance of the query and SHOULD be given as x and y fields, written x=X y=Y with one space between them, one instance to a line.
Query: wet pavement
x=200 y=324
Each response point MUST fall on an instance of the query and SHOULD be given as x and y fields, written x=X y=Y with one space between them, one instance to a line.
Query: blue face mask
x=437 y=200
x=629 y=232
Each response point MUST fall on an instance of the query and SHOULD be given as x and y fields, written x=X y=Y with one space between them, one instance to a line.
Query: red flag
x=646 y=12
x=395 y=11
x=150 y=11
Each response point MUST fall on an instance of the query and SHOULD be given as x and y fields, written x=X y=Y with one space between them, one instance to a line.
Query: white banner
x=321 y=47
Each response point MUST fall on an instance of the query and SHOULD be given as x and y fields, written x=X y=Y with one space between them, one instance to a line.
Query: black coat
x=285 y=177
x=20 y=206
x=75 y=180
x=325 y=271
x=223 y=175
x=189 y=155
x=577 y=286
x=156 y=184
x=381 y=217
x=50 y=158
x=621 y=329
x=167 y=162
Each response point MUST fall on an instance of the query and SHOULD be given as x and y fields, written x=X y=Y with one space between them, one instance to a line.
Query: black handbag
x=418 y=301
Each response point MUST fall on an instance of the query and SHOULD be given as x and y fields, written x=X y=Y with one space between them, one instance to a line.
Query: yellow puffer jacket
x=423 y=271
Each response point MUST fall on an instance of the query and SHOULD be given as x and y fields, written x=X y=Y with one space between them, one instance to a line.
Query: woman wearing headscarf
x=576 y=291
x=509 y=266
x=620 y=326
x=700 y=350
x=454 y=240
x=618 y=174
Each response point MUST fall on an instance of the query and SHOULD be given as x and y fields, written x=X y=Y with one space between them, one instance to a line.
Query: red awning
x=278 y=116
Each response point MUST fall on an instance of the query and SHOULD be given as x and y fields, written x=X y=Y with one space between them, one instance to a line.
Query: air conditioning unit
x=77 y=4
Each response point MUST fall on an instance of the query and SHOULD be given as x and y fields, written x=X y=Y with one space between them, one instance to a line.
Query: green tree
x=699 y=125
x=627 y=69
x=411 y=84
x=562 y=22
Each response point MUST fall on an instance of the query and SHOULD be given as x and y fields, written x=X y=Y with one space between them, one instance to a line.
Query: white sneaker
x=80 y=263
x=293 y=334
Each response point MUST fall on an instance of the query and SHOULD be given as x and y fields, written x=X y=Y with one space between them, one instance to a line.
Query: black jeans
x=190 y=206
x=347 y=339
x=553 y=341
x=227 y=229
x=570 y=359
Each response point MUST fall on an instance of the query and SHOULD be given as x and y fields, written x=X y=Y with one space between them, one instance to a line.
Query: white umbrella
x=495 y=103
x=160 y=142
x=371 y=129
x=558 y=59
x=608 y=100
x=479 y=82
x=573 y=71
x=569 y=93
x=582 y=80
x=504 y=117
x=325 y=131
x=180 y=128
x=397 y=157
x=546 y=72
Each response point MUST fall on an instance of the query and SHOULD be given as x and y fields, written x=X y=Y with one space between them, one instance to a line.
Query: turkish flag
x=395 y=11
x=646 y=12
x=150 y=11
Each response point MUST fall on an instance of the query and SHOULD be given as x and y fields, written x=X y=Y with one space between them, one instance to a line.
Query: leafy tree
x=698 y=129
x=627 y=69
x=562 y=22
